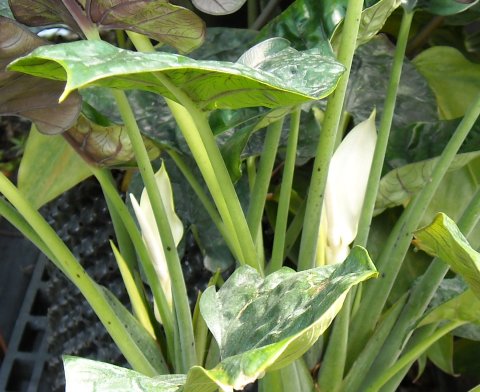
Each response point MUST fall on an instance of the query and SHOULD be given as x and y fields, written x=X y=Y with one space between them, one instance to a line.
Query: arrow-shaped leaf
x=27 y=96
x=267 y=323
x=443 y=239
x=282 y=77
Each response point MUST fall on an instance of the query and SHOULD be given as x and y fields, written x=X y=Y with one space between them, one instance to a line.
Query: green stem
x=263 y=177
x=196 y=130
x=331 y=372
x=338 y=358
x=420 y=297
x=384 y=132
x=179 y=291
x=75 y=272
x=399 y=241
x=202 y=196
x=355 y=376
x=420 y=335
x=294 y=229
x=125 y=244
x=412 y=354
x=333 y=115
x=285 y=194
x=118 y=205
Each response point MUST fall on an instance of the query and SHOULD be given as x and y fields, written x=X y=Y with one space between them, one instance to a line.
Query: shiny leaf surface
x=271 y=75
x=267 y=323
x=299 y=23
x=439 y=7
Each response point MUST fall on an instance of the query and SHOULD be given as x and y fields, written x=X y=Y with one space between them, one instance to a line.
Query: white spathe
x=150 y=233
x=345 y=190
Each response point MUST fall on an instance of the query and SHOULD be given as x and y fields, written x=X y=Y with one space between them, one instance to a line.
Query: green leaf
x=265 y=324
x=424 y=140
x=368 y=85
x=303 y=23
x=139 y=339
x=48 y=168
x=271 y=74
x=218 y=7
x=438 y=7
x=27 y=96
x=465 y=307
x=372 y=20
x=441 y=354
x=454 y=80
x=85 y=375
x=443 y=239
x=104 y=145
x=158 y=19
x=399 y=185
x=5 y=9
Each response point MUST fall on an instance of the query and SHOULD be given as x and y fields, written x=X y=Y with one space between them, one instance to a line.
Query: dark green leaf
x=283 y=77
x=48 y=168
x=224 y=44
x=218 y=7
x=425 y=140
x=368 y=85
x=27 y=96
x=443 y=239
x=454 y=80
x=85 y=375
x=158 y=19
x=267 y=323
x=438 y=7
x=301 y=23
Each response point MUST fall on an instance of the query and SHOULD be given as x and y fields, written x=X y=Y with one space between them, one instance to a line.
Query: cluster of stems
x=370 y=337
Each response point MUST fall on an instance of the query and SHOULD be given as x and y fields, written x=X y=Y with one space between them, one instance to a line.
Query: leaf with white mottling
x=85 y=375
x=265 y=324
x=281 y=75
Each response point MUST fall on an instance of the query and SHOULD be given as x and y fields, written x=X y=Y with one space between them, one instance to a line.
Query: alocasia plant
x=264 y=322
